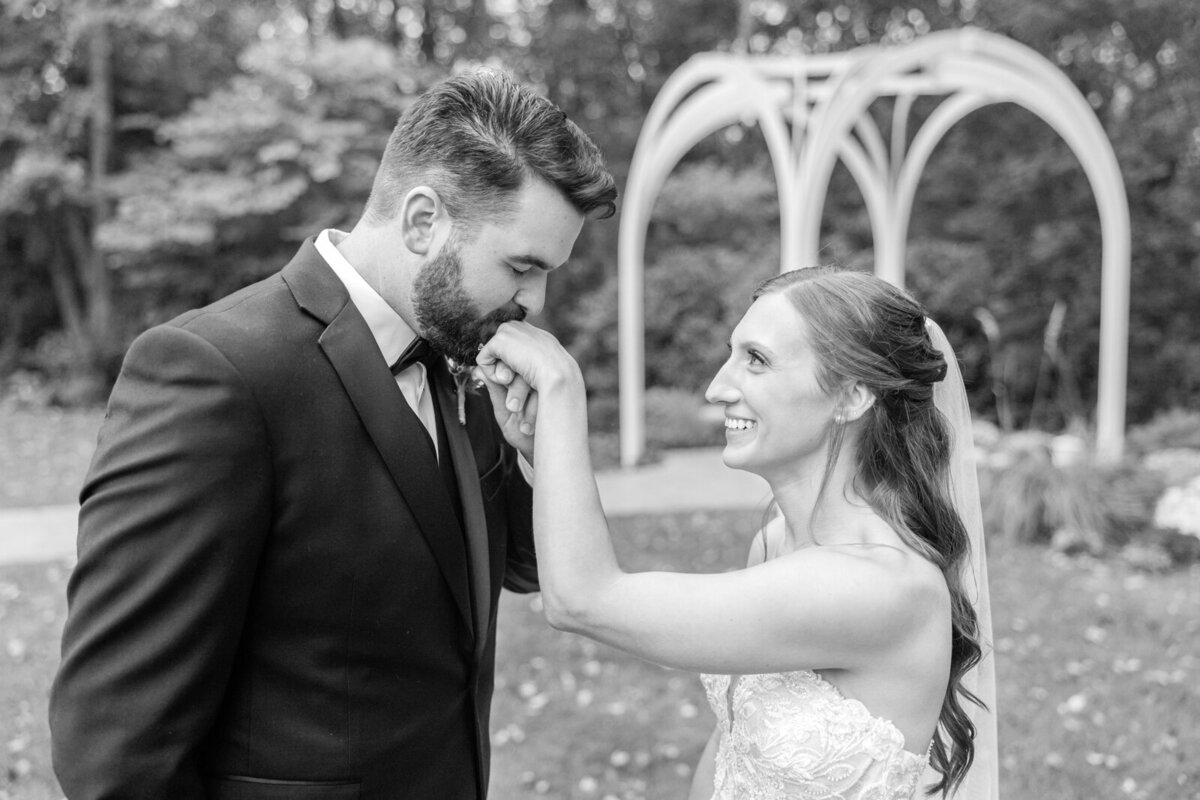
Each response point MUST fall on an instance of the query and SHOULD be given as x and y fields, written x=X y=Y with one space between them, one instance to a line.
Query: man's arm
x=172 y=520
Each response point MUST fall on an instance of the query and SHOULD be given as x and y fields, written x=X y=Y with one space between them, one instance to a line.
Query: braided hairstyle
x=864 y=330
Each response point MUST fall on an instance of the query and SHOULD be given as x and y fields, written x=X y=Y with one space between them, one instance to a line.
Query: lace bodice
x=794 y=735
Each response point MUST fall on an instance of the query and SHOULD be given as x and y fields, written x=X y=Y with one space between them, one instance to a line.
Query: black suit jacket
x=274 y=597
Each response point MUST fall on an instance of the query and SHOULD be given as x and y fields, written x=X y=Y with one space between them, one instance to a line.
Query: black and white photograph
x=599 y=399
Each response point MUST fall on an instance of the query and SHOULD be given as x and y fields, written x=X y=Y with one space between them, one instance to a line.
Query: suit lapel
x=467 y=473
x=396 y=431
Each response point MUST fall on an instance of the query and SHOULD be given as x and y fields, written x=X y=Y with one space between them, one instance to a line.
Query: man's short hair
x=475 y=139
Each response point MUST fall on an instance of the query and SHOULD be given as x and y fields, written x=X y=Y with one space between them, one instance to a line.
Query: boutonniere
x=464 y=378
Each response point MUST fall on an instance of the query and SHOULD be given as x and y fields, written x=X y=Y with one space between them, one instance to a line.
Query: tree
x=65 y=77
x=238 y=127
x=285 y=148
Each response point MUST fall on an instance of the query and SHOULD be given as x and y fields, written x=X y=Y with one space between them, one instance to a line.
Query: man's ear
x=857 y=400
x=421 y=214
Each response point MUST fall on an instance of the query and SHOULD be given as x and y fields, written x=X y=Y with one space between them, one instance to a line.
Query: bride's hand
x=533 y=354
x=515 y=364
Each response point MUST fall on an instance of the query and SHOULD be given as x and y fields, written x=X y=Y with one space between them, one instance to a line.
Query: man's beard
x=446 y=314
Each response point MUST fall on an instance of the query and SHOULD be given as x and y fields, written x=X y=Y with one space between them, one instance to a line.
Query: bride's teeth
x=740 y=424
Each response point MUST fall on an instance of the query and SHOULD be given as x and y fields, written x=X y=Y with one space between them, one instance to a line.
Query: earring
x=839 y=418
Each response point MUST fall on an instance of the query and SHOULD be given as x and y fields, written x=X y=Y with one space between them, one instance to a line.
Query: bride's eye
x=755 y=358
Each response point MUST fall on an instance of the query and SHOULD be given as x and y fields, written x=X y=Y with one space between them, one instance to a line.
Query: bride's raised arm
x=819 y=607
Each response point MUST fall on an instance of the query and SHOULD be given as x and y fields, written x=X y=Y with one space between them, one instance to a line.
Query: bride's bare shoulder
x=885 y=569
x=910 y=579
x=767 y=540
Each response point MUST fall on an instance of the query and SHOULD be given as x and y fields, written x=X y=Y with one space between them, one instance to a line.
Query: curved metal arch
x=730 y=103
x=1009 y=72
x=936 y=126
x=826 y=98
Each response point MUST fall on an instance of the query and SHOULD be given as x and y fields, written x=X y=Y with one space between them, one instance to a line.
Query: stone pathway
x=37 y=534
x=684 y=480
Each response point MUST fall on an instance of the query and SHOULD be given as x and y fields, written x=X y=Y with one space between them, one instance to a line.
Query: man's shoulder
x=260 y=313
x=249 y=328
x=248 y=302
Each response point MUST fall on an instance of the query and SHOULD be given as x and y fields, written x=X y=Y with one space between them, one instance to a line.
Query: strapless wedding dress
x=793 y=735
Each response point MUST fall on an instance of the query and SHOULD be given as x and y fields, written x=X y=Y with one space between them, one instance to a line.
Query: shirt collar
x=388 y=328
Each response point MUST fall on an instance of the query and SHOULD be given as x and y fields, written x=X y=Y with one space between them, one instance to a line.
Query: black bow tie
x=418 y=351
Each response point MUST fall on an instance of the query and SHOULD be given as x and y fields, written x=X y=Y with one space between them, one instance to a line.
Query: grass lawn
x=1098 y=669
x=44 y=454
x=1098 y=666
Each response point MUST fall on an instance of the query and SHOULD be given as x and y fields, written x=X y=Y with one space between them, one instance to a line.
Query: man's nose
x=532 y=294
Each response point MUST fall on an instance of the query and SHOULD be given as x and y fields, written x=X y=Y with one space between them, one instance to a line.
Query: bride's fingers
x=518 y=391
x=497 y=392
x=485 y=372
x=510 y=394
x=502 y=373
x=529 y=418
x=522 y=356
x=493 y=357
x=513 y=354
x=493 y=369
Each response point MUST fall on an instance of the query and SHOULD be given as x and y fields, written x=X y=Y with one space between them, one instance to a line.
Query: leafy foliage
x=297 y=130
x=240 y=128
x=1031 y=493
x=1173 y=428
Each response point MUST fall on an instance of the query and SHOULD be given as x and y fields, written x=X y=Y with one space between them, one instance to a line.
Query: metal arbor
x=812 y=112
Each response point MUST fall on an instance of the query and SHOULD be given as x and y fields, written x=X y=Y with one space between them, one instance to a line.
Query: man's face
x=448 y=317
x=468 y=289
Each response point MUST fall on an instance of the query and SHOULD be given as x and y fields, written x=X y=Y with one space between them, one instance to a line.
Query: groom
x=296 y=525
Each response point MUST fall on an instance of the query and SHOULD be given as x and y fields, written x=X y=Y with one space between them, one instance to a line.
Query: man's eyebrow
x=532 y=261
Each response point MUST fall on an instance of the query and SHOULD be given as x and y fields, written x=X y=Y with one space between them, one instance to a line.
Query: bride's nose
x=721 y=389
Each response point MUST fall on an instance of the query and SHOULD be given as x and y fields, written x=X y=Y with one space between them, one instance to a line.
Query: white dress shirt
x=388 y=328
x=392 y=334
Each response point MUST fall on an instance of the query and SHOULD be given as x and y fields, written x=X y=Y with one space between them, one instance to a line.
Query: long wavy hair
x=864 y=330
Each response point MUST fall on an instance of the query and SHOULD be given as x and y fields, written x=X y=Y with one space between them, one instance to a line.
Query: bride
x=844 y=661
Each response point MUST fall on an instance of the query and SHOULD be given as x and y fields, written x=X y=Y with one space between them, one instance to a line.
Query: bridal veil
x=950 y=397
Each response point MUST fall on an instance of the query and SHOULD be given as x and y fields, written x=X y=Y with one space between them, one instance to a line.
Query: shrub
x=1027 y=498
x=1176 y=465
x=66 y=372
x=1034 y=501
x=1177 y=428
x=1128 y=494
